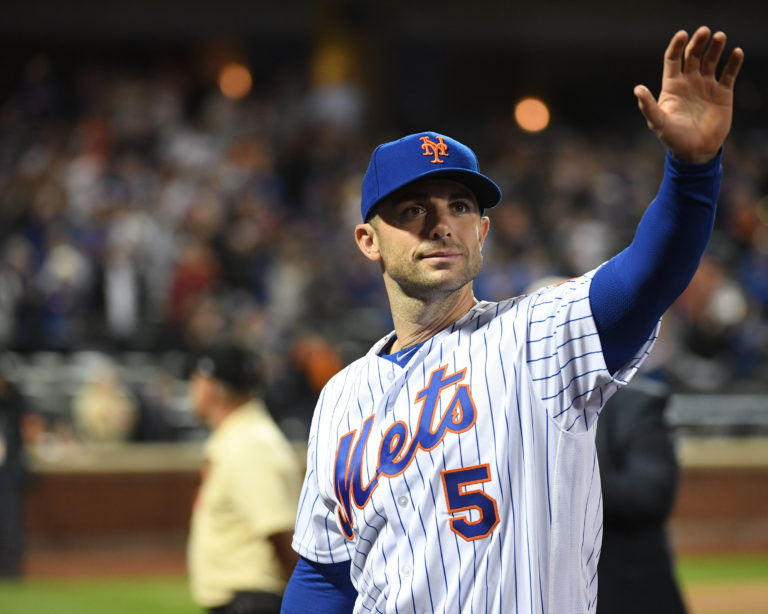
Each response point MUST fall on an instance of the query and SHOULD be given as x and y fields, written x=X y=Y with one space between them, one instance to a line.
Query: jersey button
x=406 y=571
x=402 y=501
x=390 y=376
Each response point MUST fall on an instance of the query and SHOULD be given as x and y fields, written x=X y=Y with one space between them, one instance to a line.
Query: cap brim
x=485 y=190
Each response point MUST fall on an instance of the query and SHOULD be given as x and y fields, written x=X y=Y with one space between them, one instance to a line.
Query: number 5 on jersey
x=459 y=499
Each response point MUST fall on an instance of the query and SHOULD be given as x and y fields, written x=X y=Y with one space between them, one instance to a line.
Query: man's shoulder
x=484 y=312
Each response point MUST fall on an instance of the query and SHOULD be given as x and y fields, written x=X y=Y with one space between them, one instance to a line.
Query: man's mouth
x=439 y=254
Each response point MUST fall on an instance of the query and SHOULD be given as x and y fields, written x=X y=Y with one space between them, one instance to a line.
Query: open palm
x=693 y=113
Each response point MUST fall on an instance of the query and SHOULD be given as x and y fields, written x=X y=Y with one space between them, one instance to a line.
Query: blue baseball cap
x=417 y=156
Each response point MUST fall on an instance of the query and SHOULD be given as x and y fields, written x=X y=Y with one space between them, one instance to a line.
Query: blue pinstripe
x=563 y=366
x=437 y=525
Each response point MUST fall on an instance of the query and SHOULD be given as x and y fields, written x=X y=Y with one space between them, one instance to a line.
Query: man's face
x=202 y=389
x=427 y=237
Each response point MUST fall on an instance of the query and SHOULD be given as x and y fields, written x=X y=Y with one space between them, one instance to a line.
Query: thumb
x=649 y=107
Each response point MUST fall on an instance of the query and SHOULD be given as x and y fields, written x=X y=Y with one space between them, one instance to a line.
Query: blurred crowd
x=142 y=212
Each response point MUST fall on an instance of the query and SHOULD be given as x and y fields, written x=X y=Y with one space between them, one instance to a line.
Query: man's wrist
x=691 y=183
x=703 y=158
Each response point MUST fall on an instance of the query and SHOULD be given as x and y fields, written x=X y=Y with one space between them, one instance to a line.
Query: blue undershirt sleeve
x=630 y=292
x=320 y=589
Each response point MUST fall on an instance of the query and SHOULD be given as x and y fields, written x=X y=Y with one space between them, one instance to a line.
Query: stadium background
x=144 y=214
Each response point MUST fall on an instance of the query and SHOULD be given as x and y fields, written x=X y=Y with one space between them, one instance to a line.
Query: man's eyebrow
x=462 y=194
x=415 y=195
x=410 y=196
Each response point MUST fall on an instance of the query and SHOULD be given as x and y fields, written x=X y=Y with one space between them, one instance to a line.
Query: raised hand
x=693 y=113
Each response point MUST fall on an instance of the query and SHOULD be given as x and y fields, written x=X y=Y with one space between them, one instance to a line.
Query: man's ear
x=365 y=235
x=482 y=231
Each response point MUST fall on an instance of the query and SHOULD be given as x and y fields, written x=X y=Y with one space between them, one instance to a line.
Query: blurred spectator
x=711 y=311
x=153 y=417
x=104 y=410
x=12 y=475
x=296 y=380
x=639 y=475
x=194 y=275
x=17 y=292
x=240 y=555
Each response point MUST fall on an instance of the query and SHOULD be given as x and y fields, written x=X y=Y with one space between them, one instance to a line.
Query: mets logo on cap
x=436 y=149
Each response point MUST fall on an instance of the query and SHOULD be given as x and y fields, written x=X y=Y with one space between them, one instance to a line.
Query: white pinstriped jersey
x=466 y=481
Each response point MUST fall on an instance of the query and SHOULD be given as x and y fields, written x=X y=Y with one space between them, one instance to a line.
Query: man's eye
x=462 y=207
x=412 y=210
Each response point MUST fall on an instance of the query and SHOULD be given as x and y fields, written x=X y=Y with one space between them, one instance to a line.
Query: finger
x=712 y=55
x=673 y=56
x=732 y=67
x=649 y=107
x=695 y=49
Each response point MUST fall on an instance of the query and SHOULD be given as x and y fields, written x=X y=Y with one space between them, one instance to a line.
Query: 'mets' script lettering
x=395 y=450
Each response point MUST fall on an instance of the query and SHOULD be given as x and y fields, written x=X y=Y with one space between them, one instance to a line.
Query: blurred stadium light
x=235 y=81
x=532 y=114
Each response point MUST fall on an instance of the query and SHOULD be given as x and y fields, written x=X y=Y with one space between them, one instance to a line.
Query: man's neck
x=223 y=410
x=418 y=319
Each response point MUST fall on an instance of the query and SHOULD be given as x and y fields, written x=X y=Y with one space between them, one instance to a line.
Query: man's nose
x=438 y=224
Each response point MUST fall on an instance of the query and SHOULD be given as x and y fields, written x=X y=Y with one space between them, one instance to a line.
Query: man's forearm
x=632 y=290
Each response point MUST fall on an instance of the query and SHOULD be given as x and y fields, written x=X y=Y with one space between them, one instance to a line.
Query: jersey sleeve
x=565 y=358
x=317 y=536
x=318 y=588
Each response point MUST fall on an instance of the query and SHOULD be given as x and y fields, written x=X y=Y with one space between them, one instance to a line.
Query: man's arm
x=631 y=291
x=691 y=118
x=318 y=588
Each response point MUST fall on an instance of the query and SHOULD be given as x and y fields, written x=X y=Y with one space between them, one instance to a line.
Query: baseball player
x=452 y=468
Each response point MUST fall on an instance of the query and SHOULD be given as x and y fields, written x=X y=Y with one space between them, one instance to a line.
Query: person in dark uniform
x=12 y=474
x=639 y=473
